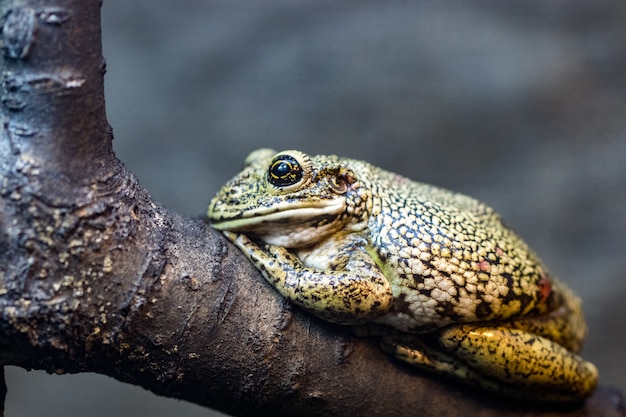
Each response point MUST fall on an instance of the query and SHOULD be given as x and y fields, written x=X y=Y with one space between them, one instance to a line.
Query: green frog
x=436 y=274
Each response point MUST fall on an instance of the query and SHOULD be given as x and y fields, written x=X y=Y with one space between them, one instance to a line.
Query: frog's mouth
x=290 y=225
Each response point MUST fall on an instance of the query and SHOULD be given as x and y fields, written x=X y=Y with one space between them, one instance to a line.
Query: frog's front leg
x=337 y=294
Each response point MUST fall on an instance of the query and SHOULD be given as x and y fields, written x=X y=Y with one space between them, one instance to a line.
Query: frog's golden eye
x=284 y=171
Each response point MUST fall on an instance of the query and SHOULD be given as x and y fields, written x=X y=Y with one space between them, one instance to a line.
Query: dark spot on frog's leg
x=312 y=297
x=530 y=341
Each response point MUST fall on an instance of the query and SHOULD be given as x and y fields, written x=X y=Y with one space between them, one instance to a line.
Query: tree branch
x=96 y=277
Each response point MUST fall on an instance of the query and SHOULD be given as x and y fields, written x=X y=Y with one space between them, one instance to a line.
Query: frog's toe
x=420 y=355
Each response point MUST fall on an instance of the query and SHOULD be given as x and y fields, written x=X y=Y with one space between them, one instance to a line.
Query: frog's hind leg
x=424 y=352
x=500 y=360
x=429 y=359
x=540 y=367
x=432 y=360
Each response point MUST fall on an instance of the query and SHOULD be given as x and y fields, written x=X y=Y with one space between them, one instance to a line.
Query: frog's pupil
x=284 y=170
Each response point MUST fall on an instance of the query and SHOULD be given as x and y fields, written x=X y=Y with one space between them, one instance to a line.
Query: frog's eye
x=284 y=170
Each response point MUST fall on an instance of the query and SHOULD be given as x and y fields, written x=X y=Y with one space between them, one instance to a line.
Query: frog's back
x=450 y=259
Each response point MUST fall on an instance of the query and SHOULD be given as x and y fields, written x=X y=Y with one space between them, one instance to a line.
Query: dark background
x=520 y=105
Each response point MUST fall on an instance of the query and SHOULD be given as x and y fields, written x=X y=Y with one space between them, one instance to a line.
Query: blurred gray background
x=521 y=105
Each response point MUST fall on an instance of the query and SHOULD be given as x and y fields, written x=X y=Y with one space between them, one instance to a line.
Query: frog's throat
x=286 y=214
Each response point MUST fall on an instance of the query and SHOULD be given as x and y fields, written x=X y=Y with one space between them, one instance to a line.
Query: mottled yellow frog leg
x=502 y=360
x=565 y=325
x=341 y=296
x=417 y=354
x=521 y=358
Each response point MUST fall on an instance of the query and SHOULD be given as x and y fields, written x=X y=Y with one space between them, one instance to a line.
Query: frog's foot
x=502 y=360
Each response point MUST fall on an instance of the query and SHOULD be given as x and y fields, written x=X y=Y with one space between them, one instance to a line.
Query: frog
x=436 y=275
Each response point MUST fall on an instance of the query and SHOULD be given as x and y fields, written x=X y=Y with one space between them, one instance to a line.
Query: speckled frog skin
x=448 y=287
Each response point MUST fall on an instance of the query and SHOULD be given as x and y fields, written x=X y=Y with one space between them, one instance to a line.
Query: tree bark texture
x=97 y=277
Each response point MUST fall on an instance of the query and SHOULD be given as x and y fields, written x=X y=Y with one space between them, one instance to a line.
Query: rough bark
x=96 y=277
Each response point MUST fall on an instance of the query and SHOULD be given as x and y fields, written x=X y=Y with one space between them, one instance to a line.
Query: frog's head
x=290 y=199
